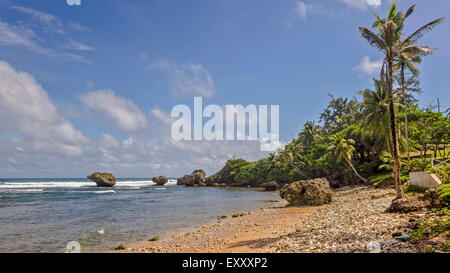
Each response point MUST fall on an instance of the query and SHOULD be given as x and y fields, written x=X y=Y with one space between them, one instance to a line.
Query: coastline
x=351 y=223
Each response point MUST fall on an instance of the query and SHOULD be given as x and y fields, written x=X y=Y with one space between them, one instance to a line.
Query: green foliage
x=412 y=188
x=436 y=223
x=380 y=177
x=444 y=174
x=444 y=192
x=416 y=165
x=228 y=173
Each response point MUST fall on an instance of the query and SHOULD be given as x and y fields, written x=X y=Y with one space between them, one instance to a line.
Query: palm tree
x=375 y=113
x=310 y=133
x=388 y=40
x=343 y=150
x=406 y=61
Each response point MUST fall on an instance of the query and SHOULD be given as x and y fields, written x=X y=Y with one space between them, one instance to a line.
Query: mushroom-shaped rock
x=160 y=180
x=313 y=192
x=103 y=179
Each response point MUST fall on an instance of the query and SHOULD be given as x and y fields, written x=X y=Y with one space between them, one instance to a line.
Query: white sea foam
x=41 y=185
x=130 y=184
x=18 y=190
x=108 y=191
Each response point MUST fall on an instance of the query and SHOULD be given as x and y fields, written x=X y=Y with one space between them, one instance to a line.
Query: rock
x=404 y=205
x=435 y=241
x=313 y=192
x=103 y=179
x=386 y=183
x=210 y=181
x=202 y=172
x=160 y=180
x=270 y=186
x=433 y=197
x=197 y=178
x=120 y=247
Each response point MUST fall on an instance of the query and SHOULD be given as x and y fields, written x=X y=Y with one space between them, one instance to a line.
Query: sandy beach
x=354 y=222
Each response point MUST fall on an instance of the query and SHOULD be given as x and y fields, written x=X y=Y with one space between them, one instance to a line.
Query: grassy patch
x=380 y=177
x=437 y=222
x=408 y=188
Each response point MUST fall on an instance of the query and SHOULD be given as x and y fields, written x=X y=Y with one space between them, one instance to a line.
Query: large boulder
x=313 y=192
x=196 y=179
x=103 y=179
x=270 y=186
x=160 y=180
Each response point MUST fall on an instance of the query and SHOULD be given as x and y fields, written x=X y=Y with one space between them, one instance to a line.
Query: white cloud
x=79 y=27
x=73 y=2
x=191 y=79
x=51 y=22
x=127 y=116
x=369 y=67
x=20 y=35
x=143 y=56
x=36 y=141
x=301 y=9
x=78 y=46
x=24 y=35
x=28 y=110
x=362 y=4
x=109 y=141
x=162 y=115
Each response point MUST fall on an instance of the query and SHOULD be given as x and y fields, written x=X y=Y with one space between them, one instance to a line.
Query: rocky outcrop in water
x=160 y=180
x=196 y=179
x=103 y=179
x=270 y=186
x=313 y=192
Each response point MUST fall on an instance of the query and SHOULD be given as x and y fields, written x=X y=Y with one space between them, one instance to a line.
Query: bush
x=444 y=174
x=415 y=165
x=444 y=192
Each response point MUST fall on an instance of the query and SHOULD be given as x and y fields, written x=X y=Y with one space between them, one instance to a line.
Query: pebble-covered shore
x=354 y=222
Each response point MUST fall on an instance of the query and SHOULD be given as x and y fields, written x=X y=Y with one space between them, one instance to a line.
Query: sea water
x=43 y=215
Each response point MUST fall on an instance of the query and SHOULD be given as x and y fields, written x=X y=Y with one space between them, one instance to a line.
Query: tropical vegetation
x=380 y=132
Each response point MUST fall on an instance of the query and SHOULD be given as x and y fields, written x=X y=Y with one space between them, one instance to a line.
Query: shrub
x=444 y=174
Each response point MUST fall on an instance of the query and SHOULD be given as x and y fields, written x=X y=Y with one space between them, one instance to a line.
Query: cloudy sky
x=90 y=87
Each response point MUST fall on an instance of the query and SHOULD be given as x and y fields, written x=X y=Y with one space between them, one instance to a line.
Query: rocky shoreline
x=354 y=222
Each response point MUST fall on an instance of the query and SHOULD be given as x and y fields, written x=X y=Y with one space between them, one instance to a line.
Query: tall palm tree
x=388 y=40
x=375 y=113
x=343 y=150
x=406 y=62
x=311 y=132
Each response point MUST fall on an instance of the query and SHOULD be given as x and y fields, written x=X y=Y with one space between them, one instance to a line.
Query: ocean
x=44 y=215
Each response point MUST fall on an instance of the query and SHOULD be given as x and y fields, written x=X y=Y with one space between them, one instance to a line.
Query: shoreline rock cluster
x=198 y=178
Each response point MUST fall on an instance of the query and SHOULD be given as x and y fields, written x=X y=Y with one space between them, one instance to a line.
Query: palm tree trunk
x=405 y=102
x=395 y=146
x=355 y=171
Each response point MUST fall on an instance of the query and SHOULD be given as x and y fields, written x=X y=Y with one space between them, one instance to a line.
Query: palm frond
x=418 y=50
x=424 y=29
x=372 y=38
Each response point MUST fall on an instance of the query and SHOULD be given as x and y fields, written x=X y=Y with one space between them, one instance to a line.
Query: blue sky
x=143 y=57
